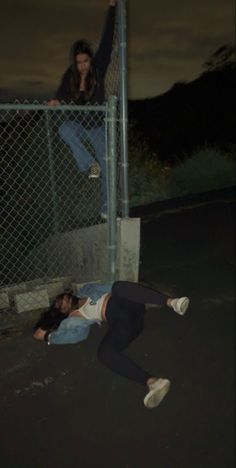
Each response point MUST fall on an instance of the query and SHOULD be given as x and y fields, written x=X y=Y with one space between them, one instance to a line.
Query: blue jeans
x=75 y=135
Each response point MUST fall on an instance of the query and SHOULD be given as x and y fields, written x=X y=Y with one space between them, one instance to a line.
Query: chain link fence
x=46 y=154
x=49 y=202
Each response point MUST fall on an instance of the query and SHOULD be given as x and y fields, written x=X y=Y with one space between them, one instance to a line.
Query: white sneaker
x=180 y=305
x=104 y=215
x=94 y=171
x=158 y=391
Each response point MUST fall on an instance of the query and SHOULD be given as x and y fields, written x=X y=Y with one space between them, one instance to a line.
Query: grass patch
x=206 y=169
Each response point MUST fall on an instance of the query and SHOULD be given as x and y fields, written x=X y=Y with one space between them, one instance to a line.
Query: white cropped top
x=91 y=310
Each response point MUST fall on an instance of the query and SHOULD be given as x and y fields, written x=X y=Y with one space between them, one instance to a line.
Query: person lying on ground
x=122 y=307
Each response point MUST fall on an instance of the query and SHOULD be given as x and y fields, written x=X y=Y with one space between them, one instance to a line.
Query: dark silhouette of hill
x=189 y=115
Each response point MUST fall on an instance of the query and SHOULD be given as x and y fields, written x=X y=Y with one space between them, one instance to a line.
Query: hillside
x=189 y=115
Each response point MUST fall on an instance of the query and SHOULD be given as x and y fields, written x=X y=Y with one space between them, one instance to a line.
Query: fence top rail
x=58 y=107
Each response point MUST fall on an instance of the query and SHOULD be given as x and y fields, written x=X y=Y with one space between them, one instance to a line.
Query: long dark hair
x=81 y=47
x=51 y=319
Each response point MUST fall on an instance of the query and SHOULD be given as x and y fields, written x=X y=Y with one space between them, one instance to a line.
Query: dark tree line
x=191 y=115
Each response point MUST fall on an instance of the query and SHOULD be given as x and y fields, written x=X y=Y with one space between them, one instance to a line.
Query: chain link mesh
x=45 y=191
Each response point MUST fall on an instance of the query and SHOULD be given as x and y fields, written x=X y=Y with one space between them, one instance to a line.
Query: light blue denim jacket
x=75 y=329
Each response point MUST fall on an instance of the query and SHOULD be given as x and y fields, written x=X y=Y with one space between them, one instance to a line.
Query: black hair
x=51 y=319
x=81 y=47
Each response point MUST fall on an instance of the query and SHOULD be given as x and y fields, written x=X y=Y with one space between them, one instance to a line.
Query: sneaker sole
x=93 y=176
x=184 y=306
x=156 y=395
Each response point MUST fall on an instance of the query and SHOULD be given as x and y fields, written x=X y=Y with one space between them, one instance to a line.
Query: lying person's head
x=59 y=310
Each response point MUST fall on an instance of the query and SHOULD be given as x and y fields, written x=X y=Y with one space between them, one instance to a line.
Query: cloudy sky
x=168 y=41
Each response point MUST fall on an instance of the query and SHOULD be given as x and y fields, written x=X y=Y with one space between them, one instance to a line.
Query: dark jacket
x=100 y=64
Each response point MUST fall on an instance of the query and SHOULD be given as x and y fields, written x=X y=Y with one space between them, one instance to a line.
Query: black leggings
x=125 y=317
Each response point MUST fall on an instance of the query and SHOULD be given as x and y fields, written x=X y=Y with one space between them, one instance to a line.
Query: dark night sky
x=168 y=41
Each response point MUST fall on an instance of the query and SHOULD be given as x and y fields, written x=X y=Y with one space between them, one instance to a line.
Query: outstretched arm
x=103 y=54
x=69 y=336
x=71 y=330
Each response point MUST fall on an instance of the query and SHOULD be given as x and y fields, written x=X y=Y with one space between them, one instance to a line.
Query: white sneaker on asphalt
x=157 y=391
x=180 y=305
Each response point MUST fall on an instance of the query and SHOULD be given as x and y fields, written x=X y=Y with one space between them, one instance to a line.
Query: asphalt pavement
x=60 y=408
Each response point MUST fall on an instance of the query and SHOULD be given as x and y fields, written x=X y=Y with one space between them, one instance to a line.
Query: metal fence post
x=111 y=185
x=123 y=107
